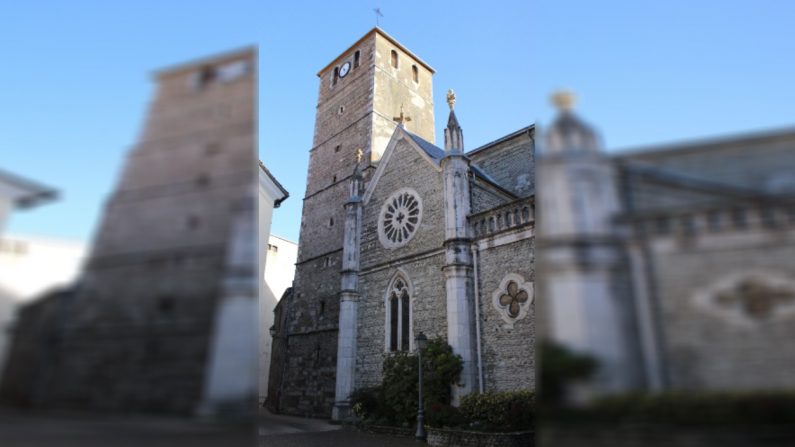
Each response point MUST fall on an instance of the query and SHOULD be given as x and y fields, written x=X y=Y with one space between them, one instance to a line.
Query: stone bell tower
x=361 y=93
x=170 y=254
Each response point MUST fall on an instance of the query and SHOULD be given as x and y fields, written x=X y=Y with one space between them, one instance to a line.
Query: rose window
x=400 y=218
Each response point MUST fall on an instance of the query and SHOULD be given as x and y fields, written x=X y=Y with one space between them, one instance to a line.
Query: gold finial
x=359 y=155
x=402 y=118
x=564 y=100
x=451 y=98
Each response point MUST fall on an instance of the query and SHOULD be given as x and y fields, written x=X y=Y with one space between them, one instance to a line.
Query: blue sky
x=76 y=76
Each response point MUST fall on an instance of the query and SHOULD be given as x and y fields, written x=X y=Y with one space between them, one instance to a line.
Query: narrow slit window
x=336 y=75
x=394 y=59
x=356 y=59
x=393 y=324
x=404 y=323
x=415 y=73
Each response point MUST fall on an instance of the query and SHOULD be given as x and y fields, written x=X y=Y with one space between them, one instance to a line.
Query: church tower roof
x=382 y=33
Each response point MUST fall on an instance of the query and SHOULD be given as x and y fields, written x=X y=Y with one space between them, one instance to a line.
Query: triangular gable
x=398 y=135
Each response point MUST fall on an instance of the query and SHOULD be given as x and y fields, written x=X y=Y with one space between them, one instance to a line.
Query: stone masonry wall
x=407 y=168
x=421 y=260
x=345 y=122
x=484 y=198
x=395 y=87
x=342 y=126
x=511 y=163
x=508 y=354
x=428 y=307
x=136 y=336
x=713 y=346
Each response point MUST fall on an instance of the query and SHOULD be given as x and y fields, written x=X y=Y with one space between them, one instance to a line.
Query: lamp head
x=421 y=340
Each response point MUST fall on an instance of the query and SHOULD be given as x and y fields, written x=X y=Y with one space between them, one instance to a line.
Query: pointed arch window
x=398 y=315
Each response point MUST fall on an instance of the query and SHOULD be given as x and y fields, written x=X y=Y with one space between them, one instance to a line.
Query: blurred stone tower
x=363 y=93
x=169 y=254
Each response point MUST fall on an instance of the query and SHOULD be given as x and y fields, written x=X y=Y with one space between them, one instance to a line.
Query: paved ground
x=22 y=429
x=288 y=431
x=48 y=429
x=338 y=438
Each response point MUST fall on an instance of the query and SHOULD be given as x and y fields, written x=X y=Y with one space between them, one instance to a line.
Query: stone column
x=459 y=280
x=349 y=302
x=458 y=270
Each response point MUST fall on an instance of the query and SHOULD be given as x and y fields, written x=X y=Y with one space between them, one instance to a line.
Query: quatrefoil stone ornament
x=513 y=298
x=749 y=298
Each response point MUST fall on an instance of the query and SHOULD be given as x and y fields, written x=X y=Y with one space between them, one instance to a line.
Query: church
x=400 y=236
x=669 y=265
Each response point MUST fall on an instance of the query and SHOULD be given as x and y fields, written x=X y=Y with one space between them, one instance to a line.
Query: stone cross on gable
x=402 y=118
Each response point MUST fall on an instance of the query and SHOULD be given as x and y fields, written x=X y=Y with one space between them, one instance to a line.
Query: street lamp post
x=421 y=340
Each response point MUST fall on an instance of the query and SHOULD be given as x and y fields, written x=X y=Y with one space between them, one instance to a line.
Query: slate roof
x=437 y=153
x=275 y=182
x=30 y=192
x=494 y=143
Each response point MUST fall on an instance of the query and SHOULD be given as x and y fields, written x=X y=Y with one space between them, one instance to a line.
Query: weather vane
x=378 y=14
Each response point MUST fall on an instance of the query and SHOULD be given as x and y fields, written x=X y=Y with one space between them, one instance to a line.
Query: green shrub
x=505 y=411
x=395 y=401
x=400 y=388
x=441 y=368
x=699 y=408
x=367 y=402
x=559 y=367
x=441 y=416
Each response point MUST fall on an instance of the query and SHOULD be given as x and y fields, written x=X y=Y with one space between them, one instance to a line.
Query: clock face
x=346 y=67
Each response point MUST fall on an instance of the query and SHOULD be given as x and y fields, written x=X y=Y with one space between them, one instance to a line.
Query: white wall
x=30 y=266
x=281 y=255
x=275 y=272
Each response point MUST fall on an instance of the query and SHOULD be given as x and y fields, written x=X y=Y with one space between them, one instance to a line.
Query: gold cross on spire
x=564 y=100
x=451 y=98
x=359 y=155
x=402 y=118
